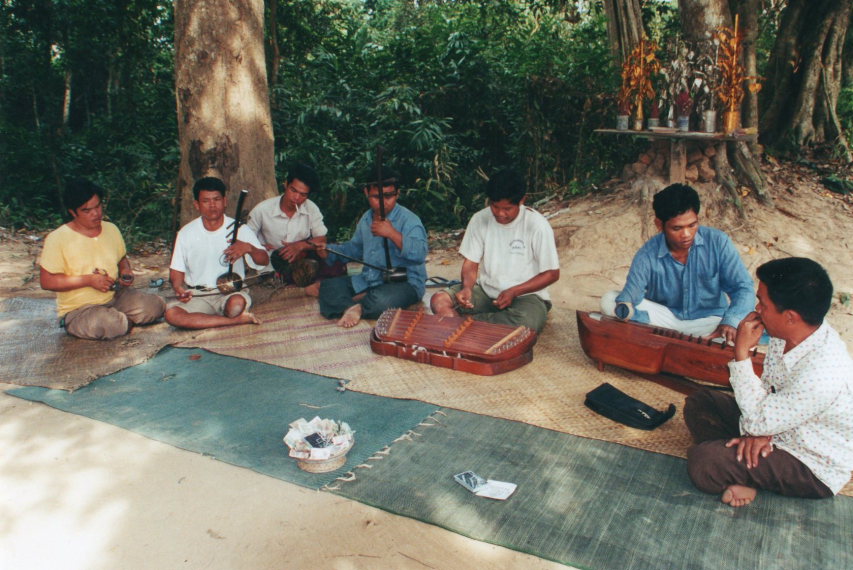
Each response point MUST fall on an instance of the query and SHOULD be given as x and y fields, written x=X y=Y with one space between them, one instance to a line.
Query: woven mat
x=594 y=504
x=34 y=351
x=234 y=410
x=549 y=392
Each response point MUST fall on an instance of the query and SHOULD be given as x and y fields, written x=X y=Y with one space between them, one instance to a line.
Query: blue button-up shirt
x=370 y=249
x=696 y=289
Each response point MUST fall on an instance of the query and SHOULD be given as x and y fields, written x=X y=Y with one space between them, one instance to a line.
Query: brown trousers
x=712 y=418
x=102 y=322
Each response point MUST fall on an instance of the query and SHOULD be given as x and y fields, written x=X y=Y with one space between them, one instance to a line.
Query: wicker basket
x=325 y=465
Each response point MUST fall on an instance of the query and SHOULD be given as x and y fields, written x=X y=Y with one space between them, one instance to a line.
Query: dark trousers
x=336 y=296
x=712 y=418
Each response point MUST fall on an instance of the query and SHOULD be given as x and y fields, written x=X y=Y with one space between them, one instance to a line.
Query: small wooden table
x=677 y=144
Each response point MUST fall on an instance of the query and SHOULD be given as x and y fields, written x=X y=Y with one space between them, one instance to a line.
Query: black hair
x=799 y=284
x=79 y=191
x=209 y=183
x=507 y=184
x=390 y=177
x=674 y=200
x=304 y=173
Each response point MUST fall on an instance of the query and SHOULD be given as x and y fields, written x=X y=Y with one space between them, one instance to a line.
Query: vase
x=731 y=121
x=653 y=122
x=622 y=122
x=709 y=121
x=684 y=123
x=638 y=124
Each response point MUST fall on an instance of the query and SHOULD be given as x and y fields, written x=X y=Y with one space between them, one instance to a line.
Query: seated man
x=510 y=259
x=203 y=252
x=679 y=279
x=86 y=263
x=790 y=431
x=286 y=223
x=402 y=235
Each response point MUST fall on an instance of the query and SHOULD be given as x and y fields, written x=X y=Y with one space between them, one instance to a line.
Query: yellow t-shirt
x=68 y=252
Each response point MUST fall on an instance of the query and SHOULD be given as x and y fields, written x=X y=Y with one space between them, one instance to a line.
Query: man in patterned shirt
x=790 y=431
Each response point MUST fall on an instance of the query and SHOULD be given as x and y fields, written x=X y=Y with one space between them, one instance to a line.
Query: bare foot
x=247 y=318
x=313 y=290
x=738 y=495
x=351 y=317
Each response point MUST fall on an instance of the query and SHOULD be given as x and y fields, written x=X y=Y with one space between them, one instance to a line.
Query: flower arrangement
x=732 y=73
x=637 y=71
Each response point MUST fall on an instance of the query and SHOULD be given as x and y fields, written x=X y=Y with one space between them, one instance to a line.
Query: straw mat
x=548 y=392
x=34 y=351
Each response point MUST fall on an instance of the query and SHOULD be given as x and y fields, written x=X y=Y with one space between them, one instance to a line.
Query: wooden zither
x=452 y=342
x=652 y=350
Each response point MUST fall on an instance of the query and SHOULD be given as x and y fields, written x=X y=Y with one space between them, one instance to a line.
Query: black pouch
x=619 y=406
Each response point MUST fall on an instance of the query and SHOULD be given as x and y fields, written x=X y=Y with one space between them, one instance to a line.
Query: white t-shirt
x=510 y=254
x=199 y=252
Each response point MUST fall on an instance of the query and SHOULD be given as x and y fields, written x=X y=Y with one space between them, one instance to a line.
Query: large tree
x=805 y=74
x=224 y=122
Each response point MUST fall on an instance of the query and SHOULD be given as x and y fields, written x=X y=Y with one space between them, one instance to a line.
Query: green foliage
x=453 y=92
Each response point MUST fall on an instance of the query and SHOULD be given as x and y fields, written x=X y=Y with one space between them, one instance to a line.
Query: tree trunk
x=224 y=122
x=275 y=56
x=624 y=27
x=805 y=72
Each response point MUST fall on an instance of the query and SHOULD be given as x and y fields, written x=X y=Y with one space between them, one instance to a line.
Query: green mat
x=594 y=504
x=234 y=410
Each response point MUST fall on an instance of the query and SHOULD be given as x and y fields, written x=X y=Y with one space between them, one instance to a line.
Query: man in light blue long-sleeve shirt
x=689 y=278
x=349 y=298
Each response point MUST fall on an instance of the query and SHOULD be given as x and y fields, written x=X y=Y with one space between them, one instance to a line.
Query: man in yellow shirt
x=85 y=262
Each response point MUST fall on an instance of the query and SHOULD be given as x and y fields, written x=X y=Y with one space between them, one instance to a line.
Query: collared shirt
x=510 y=254
x=369 y=248
x=274 y=228
x=804 y=400
x=696 y=289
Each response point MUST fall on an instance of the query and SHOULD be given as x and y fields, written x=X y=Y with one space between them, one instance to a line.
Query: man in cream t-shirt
x=510 y=260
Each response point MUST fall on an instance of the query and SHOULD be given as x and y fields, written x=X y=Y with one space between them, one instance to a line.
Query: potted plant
x=732 y=76
x=654 y=113
x=684 y=105
x=624 y=113
x=637 y=73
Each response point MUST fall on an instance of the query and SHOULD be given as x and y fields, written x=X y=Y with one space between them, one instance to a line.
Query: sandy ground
x=76 y=493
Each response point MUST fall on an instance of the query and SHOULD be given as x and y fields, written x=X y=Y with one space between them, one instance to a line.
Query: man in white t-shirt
x=203 y=252
x=510 y=260
x=290 y=226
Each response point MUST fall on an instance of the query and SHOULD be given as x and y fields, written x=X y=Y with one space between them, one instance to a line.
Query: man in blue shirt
x=689 y=278
x=349 y=298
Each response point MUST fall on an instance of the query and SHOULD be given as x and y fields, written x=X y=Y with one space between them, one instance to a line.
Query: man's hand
x=237 y=250
x=728 y=333
x=100 y=280
x=383 y=228
x=748 y=334
x=751 y=447
x=293 y=251
x=463 y=297
x=505 y=299
x=183 y=295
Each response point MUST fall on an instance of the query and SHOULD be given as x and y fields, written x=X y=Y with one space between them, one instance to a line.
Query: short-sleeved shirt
x=71 y=253
x=274 y=227
x=510 y=254
x=697 y=289
x=199 y=253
